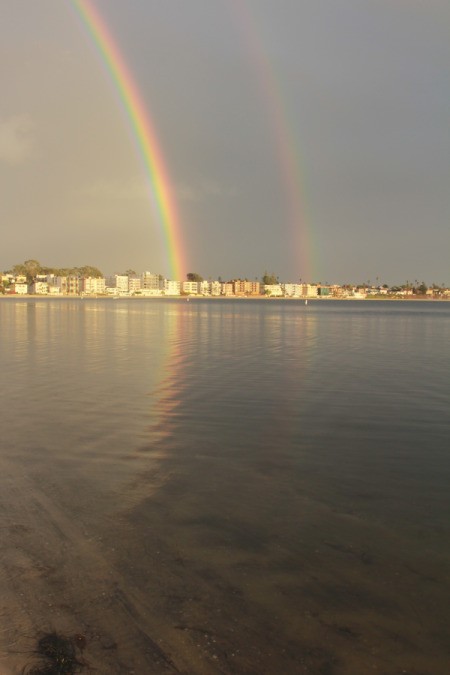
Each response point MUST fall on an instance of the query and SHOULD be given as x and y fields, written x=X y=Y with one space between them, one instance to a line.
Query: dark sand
x=152 y=586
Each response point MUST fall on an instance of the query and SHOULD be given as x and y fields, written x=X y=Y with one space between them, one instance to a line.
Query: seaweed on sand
x=58 y=655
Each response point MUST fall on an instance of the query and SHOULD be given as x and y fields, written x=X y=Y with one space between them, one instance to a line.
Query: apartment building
x=190 y=287
x=204 y=287
x=228 y=288
x=292 y=290
x=134 y=285
x=150 y=281
x=245 y=287
x=273 y=290
x=215 y=288
x=93 y=285
x=309 y=290
x=122 y=284
x=39 y=288
x=70 y=285
x=172 y=287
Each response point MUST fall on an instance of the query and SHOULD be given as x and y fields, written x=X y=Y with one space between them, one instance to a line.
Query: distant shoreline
x=214 y=297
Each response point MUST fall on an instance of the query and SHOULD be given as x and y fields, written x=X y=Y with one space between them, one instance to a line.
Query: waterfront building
x=309 y=290
x=117 y=285
x=215 y=288
x=93 y=285
x=152 y=281
x=58 y=282
x=134 y=285
x=172 y=287
x=190 y=287
x=204 y=287
x=122 y=284
x=38 y=288
x=245 y=287
x=68 y=285
x=73 y=285
x=273 y=290
x=228 y=288
x=292 y=290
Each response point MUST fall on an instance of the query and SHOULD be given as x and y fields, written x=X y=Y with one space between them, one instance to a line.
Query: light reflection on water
x=273 y=473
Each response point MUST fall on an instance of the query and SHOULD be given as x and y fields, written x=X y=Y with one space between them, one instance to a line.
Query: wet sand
x=179 y=578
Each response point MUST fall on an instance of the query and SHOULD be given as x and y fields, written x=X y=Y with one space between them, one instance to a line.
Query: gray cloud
x=357 y=91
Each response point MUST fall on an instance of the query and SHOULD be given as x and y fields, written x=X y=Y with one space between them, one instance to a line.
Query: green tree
x=422 y=289
x=19 y=270
x=86 y=271
x=30 y=268
x=33 y=268
x=193 y=276
x=269 y=279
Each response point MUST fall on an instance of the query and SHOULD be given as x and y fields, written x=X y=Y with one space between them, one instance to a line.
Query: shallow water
x=228 y=486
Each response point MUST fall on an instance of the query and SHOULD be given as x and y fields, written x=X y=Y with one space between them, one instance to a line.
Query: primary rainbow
x=143 y=132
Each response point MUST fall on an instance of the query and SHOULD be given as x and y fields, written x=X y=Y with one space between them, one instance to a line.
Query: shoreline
x=29 y=296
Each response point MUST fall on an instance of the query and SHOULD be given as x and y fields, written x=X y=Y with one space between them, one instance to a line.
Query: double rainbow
x=143 y=131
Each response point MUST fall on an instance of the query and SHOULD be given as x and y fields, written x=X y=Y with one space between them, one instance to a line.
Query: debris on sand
x=58 y=654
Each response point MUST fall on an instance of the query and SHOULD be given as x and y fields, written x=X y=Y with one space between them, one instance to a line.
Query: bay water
x=226 y=486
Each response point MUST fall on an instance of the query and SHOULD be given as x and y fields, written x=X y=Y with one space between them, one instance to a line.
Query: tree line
x=32 y=268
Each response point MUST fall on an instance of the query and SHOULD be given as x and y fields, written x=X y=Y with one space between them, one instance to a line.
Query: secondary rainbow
x=143 y=132
x=293 y=178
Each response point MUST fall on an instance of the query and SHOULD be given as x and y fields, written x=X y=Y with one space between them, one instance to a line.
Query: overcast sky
x=309 y=138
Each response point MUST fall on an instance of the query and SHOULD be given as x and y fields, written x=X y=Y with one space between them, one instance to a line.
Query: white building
x=39 y=288
x=134 y=285
x=190 y=287
x=122 y=284
x=292 y=290
x=93 y=285
x=152 y=281
x=116 y=285
x=215 y=288
x=273 y=290
x=204 y=287
x=309 y=290
x=57 y=282
x=172 y=287
x=227 y=288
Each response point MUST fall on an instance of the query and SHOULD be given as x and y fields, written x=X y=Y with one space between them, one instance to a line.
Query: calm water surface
x=228 y=486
